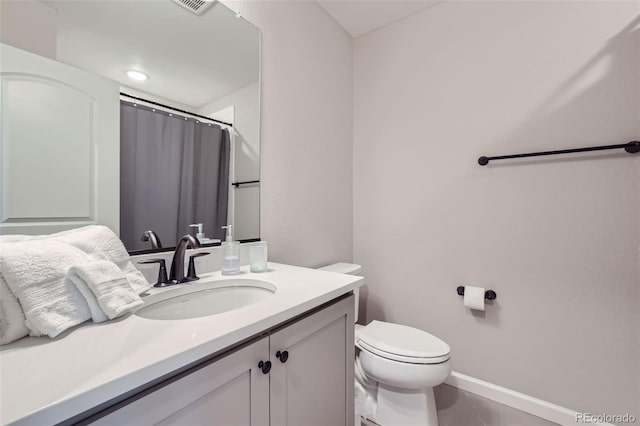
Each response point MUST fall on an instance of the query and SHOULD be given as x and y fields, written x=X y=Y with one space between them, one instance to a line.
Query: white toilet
x=398 y=366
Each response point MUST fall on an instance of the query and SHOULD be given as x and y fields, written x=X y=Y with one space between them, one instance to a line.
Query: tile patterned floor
x=459 y=408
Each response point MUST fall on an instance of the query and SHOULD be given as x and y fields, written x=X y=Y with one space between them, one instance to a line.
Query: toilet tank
x=349 y=269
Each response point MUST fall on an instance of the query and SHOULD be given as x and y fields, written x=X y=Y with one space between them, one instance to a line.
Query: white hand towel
x=109 y=286
x=97 y=314
x=12 y=321
x=36 y=273
x=100 y=243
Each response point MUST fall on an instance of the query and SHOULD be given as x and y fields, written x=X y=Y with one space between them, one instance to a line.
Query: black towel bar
x=632 y=147
x=237 y=184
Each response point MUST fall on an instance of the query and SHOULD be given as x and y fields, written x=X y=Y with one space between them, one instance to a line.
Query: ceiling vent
x=196 y=6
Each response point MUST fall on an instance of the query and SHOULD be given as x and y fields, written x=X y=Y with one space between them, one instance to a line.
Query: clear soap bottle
x=230 y=253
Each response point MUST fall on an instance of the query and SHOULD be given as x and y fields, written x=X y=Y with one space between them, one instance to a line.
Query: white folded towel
x=101 y=243
x=36 y=273
x=108 y=285
x=12 y=321
x=17 y=238
x=13 y=324
x=97 y=314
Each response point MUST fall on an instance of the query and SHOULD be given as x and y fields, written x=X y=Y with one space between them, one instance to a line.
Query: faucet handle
x=163 y=281
x=191 y=272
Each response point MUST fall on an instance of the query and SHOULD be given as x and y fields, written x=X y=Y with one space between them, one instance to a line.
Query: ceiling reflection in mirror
x=189 y=113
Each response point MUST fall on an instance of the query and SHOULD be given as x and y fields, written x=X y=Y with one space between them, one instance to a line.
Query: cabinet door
x=314 y=386
x=59 y=146
x=231 y=391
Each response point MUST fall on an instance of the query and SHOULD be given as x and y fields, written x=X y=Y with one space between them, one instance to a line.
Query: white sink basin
x=202 y=299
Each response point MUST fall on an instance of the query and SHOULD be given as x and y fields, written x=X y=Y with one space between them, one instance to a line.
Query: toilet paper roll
x=474 y=297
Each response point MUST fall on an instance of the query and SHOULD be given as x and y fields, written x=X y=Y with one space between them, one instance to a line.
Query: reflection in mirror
x=187 y=91
x=173 y=173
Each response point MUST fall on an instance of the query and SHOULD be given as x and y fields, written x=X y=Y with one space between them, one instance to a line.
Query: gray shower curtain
x=173 y=172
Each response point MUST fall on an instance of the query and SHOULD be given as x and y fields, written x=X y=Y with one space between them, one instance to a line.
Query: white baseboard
x=528 y=404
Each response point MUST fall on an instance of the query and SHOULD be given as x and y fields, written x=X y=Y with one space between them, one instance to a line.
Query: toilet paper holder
x=489 y=294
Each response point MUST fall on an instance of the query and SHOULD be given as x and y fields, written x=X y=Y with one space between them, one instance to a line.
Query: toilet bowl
x=406 y=363
x=398 y=367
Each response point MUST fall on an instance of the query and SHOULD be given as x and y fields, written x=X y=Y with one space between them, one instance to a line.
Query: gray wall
x=558 y=240
x=306 y=140
x=29 y=26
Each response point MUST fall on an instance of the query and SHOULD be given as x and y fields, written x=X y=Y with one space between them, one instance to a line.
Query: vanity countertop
x=46 y=381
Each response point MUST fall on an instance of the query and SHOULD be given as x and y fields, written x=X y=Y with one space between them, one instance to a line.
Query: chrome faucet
x=176 y=275
x=153 y=237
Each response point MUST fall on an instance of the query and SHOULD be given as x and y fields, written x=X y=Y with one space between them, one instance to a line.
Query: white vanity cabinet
x=311 y=385
x=230 y=391
x=314 y=384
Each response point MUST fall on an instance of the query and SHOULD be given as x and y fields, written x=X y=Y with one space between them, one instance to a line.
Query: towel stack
x=53 y=282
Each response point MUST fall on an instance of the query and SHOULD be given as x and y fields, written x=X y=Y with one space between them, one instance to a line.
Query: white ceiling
x=190 y=59
x=359 y=17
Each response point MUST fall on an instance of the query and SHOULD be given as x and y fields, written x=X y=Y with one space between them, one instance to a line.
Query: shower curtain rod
x=126 y=95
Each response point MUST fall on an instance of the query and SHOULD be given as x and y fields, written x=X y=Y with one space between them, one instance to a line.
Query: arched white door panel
x=59 y=154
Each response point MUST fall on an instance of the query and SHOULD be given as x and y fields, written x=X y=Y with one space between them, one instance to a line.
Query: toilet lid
x=402 y=343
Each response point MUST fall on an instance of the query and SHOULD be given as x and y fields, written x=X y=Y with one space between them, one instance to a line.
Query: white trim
x=231 y=198
x=517 y=400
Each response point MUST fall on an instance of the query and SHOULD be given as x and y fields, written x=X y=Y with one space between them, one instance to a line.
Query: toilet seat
x=402 y=358
x=401 y=343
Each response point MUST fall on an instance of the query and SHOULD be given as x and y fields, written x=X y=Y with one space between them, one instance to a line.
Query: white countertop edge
x=72 y=405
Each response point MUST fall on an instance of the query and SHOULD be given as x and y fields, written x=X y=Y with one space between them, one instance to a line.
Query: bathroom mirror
x=189 y=122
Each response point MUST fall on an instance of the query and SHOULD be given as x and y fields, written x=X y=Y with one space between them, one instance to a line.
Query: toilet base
x=406 y=407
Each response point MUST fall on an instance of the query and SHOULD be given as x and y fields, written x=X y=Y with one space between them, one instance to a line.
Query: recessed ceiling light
x=137 y=75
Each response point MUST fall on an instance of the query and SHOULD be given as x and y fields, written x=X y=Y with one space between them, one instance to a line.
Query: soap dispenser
x=200 y=235
x=230 y=253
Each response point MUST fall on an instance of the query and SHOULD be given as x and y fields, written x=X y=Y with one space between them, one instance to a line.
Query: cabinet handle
x=265 y=366
x=282 y=356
